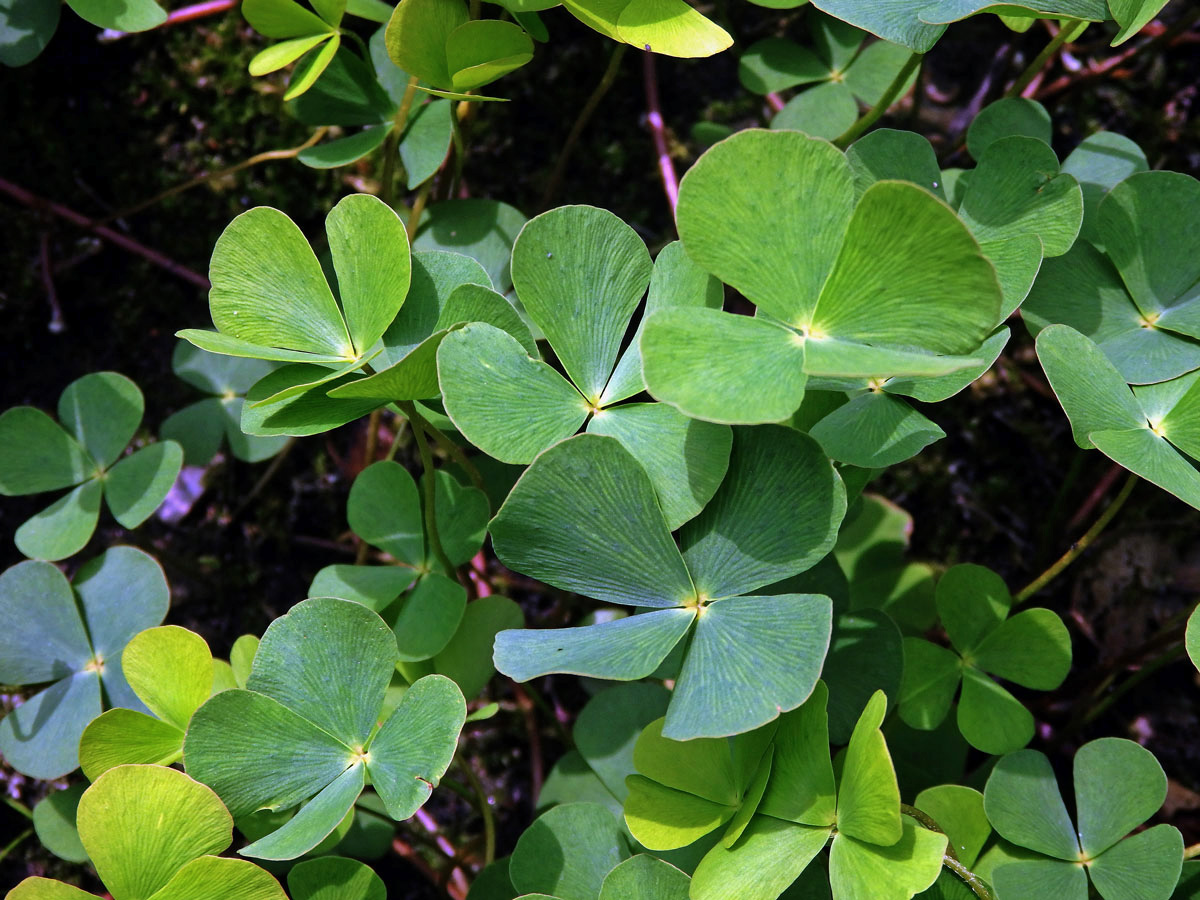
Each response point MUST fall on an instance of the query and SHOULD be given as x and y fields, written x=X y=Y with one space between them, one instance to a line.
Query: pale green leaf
x=411 y=752
x=1024 y=806
x=584 y=517
x=171 y=671
x=37 y=454
x=370 y=253
x=40 y=738
x=662 y=818
x=64 y=527
x=776 y=514
x=697 y=360
x=959 y=812
x=124 y=736
x=685 y=458
x=623 y=649
x=140 y=824
x=751 y=658
x=315 y=820
x=946 y=303
x=739 y=228
x=137 y=485
x=770 y=856
x=868 y=796
x=268 y=288
x=509 y=405
x=894 y=872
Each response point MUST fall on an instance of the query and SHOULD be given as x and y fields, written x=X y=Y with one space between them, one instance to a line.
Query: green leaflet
x=1023 y=804
x=603 y=512
x=119 y=594
x=100 y=413
x=315 y=692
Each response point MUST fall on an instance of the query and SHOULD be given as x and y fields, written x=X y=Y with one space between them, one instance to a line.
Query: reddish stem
x=666 y=165
x=775 y=102
x=199 y=11
x=1103 y=486
x=35 y=202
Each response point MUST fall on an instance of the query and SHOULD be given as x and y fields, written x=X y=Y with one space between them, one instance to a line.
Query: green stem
x=418 y=426
x=1080 y=545
x=1191 y=852
x=456 y=454
x=391 y=144
x=1133 y=681
x=585 y=115
x=876 y=112
x=459 y=153
x=19 y=807
x=418 y=207
x=485 y=810
x=969 y=878
x=1067 y=33
x=926 y=820
x=12 y=845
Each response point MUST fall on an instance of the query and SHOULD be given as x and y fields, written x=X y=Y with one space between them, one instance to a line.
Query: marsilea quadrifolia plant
x=675 y=443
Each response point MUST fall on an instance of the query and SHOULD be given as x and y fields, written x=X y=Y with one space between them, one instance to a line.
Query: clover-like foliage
x=172 y=672
x=71 y=635
x=843 y=291
x=580 y=273
x=315 y=695
x=1132 y=288
x=584 y=517
x=438 y=42
x=312 y=38
x=1031 y=648
x=153 y=834
x=98 y=416
x=201 y=427
x=1143 y=428
x=1118 y=786
x=875 y=850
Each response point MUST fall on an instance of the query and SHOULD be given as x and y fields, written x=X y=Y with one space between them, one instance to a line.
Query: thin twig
x=418 y=207
x=585 y=115
x=265 y=478
x=1166 y=36
x=1080 y=545
x=35 y=202
x=666 y=166
x=15 y=842
x=1066 y=34
x=56 y=325
x=1131 y=682
x=890 y=96
x=266 y=156
x=535 y=741
x=1103 y=486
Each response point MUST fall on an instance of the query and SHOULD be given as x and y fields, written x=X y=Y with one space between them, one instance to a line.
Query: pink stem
x=666 y=166
x=198 y=11
x=113 y=237
x=775 y=102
